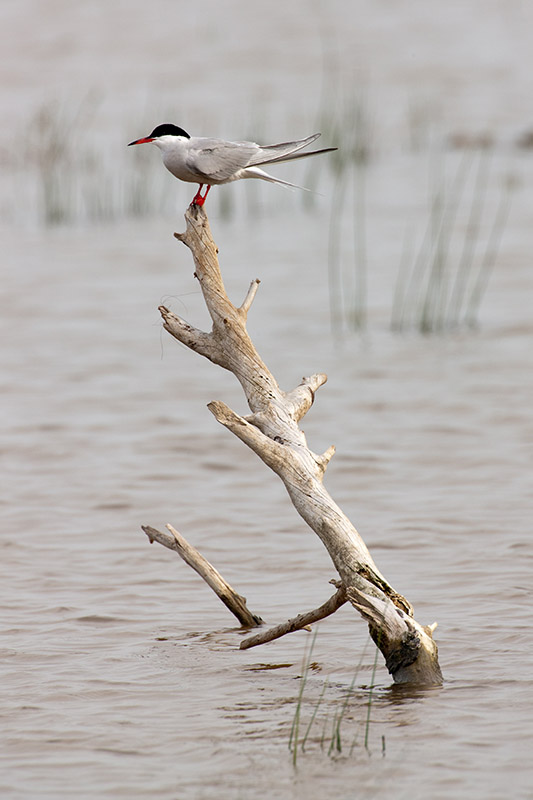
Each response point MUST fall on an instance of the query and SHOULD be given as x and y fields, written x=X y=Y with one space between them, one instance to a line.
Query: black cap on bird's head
x=167 y=129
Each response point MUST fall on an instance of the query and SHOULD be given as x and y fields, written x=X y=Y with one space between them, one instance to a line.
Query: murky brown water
x=120 y=671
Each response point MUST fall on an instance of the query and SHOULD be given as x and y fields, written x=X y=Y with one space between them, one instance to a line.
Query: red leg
x=198 y=200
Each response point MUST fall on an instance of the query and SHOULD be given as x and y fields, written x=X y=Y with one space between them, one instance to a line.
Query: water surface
x=121 y=674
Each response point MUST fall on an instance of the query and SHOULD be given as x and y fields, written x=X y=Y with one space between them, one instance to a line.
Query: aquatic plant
x=351 y=130
x=55 y=149
x=332 y=740
x=490 y=255
x=434 y=290
x=295 y=728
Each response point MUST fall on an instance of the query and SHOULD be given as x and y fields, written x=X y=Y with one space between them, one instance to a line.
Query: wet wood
x=233 y=601
x=272 y=432
x=297 y=623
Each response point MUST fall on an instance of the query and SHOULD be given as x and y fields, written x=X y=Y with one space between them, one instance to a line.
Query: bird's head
x=163 y=134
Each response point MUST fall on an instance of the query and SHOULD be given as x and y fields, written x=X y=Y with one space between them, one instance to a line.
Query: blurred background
x=405 y=274
x=428 y=107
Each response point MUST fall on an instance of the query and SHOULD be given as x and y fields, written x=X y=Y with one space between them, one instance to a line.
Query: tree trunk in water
x=272 y=432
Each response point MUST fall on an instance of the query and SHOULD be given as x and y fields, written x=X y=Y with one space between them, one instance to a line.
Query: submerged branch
x=298 y=623
x=233 y=601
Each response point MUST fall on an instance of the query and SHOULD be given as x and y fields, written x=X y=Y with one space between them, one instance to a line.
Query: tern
x=211 y=162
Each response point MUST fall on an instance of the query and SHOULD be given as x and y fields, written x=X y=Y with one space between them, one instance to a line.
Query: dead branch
x=298 y=623
x=272 y=432
x=175 y=541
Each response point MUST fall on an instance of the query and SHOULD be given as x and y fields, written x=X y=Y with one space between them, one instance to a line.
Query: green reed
x=470 y=241
x=435 y=291
x=295 y=728
x=332 y=737
x=350 y=128
x=490 y=255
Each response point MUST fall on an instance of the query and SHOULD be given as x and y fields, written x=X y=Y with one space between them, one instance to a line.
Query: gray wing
x=271 y=153
x=215 y=158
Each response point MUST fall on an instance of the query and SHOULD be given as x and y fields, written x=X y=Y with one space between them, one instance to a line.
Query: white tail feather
x=255 y=172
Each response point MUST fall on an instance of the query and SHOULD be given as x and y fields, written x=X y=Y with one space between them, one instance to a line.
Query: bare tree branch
x=175 y=541
x=271 y=431
x=249 y=299
x=299 y=622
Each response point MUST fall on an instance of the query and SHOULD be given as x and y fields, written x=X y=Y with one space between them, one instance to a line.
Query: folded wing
x=219 y=160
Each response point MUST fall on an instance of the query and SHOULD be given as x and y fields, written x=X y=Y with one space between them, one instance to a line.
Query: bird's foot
x=198 y=200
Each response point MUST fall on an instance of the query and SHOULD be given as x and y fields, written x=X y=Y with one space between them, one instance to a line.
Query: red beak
x=141 y=141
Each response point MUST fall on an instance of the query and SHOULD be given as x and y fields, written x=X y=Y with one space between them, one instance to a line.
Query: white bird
x=210 y=162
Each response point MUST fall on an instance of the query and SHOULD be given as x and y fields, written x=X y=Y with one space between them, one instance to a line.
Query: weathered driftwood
x=298 y=623
x=233 y=601
x=272 y=431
